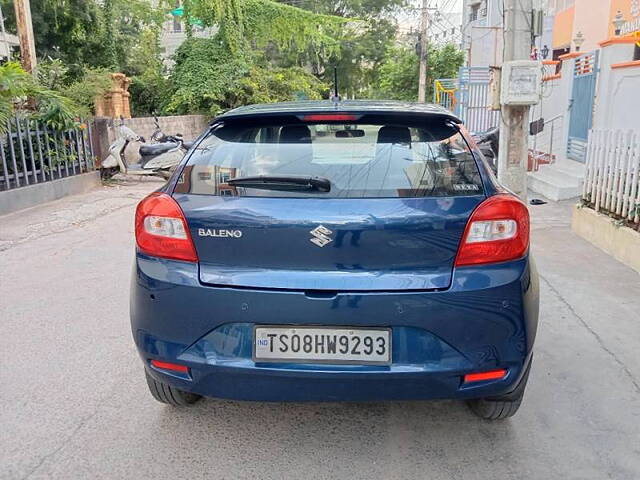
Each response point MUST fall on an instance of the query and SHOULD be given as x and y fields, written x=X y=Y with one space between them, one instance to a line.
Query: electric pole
x=25 y=35
x=424 y=31
x=514 y=131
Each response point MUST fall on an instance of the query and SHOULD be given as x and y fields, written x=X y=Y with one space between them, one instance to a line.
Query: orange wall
x=625 y=7
x=592 y=18
x=563 y=28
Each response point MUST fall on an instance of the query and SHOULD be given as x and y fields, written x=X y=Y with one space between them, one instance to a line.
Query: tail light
x=161 y=229
x=497 y=231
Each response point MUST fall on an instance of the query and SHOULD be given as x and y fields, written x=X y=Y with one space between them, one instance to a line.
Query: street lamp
x=618 y=22
x=578 y=41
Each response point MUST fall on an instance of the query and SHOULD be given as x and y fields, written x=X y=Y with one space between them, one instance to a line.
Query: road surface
x=74 y=403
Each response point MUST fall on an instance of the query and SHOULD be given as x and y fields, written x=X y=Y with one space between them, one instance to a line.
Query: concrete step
x=569 y=167
x=558 y=181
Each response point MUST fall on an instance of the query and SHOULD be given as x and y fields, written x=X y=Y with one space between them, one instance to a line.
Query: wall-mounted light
x=578 y=40
x=545 y=52
x=618 y=22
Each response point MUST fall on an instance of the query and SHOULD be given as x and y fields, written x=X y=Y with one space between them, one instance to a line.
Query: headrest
x=391 y=134
x=295 y=134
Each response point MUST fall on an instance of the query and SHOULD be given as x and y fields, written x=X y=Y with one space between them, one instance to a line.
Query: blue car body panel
x=445 y=321
x=487 y=319
x=359 y=257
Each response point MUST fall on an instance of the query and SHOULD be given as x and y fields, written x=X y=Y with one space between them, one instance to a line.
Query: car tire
x=165 y=393
x=494 y=409
x=504 y=406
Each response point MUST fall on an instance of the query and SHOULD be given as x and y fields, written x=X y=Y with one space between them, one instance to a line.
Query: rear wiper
x=287 y=183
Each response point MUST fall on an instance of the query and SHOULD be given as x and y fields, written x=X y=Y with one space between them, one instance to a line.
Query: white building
x=482 y=32
x=174 y=32
x=446 y=28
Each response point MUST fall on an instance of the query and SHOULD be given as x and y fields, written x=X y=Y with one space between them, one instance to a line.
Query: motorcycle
x=159 y=159
x=489 y=143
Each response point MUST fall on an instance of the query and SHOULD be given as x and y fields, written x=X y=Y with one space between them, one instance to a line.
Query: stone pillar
x=115 y=101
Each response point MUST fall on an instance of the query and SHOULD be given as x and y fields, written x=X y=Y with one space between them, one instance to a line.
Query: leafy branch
x=19 y=91
x=261 y=22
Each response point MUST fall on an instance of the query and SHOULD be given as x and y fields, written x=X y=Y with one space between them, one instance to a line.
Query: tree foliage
x=208 y=77
x=88 y=33
x=18 y=89
x=264 y=51
x=398 y=78
x=258 y=23
x=362 y=43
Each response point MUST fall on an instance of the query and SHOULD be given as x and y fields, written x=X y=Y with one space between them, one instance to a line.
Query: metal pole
x=551 y=159
x=25 y=34
x=424 y=29
x=512 y=161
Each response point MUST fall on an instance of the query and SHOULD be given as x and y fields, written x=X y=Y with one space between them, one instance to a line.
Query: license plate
x=322 y=345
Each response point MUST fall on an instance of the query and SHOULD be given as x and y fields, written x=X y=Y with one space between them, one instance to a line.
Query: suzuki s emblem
x=321 y=236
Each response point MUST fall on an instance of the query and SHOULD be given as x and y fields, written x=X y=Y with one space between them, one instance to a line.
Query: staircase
x=558 y=181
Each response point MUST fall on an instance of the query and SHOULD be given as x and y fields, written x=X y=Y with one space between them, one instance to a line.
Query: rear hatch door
x=399 y=201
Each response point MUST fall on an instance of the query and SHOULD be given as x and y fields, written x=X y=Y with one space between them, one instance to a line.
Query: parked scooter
x=489 y=143
x=154 y=159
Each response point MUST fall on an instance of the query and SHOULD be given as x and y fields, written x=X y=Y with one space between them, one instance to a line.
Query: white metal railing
x=545 y=144
x=612 y=179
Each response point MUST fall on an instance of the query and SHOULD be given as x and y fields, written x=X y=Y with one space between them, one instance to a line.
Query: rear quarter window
x=361 y=160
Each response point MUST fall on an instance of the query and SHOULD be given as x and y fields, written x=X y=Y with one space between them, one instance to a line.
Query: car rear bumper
x=486 y=320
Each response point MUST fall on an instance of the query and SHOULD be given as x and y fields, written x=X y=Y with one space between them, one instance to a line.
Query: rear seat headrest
x=392 y=134
x=295 y=134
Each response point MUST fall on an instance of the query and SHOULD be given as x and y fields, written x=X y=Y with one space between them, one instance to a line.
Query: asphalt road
x=74 y=404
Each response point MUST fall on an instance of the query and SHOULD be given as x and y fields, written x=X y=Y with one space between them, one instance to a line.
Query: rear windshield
x=359 y=160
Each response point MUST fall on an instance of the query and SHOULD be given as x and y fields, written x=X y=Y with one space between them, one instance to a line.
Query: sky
x=412 y=19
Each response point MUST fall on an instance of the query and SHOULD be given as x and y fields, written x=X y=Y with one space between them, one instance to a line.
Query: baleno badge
x=219 y=233
x=321 y=236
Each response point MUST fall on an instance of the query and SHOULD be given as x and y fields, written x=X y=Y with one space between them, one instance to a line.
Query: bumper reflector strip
x=490 y=375
x=170 y=366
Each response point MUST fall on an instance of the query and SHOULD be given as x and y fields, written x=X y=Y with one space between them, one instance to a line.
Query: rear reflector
x=333 y=117
x=491 y=375
x=498 y=231
x=174 y=367
x=161 y=229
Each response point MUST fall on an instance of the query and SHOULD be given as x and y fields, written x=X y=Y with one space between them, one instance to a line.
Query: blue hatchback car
x=321 y=251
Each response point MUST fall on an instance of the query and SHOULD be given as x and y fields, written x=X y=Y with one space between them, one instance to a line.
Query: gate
x=444 y=92
x=585 y=73
x=474 y=105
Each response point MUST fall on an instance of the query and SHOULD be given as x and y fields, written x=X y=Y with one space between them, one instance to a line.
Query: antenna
x=336 y=95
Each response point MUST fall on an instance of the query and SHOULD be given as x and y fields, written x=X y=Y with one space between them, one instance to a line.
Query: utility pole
x=514 y=131
x=25 y=35
x=424 y=31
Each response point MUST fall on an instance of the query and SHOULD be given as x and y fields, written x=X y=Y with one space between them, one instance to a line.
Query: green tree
x=362 y=43
x=398 y=78
x=208 y=77
x=267 y=85
x=20 y=92
x=250 y=24
x=88 y=33
x=150 y=86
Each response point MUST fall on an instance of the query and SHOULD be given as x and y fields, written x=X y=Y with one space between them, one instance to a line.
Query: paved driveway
x=74 y=404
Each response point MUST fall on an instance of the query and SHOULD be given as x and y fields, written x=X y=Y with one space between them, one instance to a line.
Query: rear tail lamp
x=497 y=231
x=161 y=229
